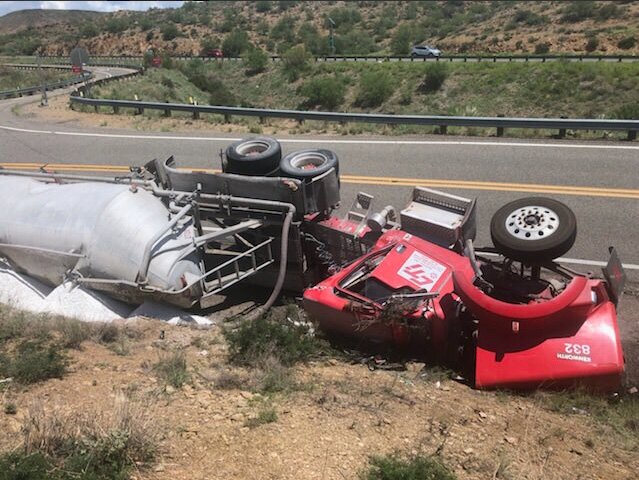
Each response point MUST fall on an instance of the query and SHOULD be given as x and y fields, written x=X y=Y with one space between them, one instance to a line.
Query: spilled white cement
x=28 y=294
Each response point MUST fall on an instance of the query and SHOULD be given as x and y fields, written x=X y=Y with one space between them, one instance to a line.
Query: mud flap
x=615 y=276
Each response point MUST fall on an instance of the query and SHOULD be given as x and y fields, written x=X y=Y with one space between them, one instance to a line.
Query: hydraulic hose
x=279 y=283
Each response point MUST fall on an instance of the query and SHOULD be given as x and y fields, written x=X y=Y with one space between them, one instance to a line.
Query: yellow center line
x=380 y=181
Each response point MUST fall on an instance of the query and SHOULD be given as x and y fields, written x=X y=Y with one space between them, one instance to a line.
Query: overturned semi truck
x=508 y=315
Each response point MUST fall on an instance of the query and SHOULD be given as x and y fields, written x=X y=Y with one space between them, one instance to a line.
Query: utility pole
x=43 y=100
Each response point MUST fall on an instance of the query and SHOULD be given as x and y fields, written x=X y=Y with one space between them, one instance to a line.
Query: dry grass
x=125 y=435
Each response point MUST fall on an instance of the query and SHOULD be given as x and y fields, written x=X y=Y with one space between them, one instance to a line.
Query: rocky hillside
x=362 y=27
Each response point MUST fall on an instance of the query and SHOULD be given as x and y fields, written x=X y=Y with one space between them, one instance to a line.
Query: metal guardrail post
x=500 y=130
x=632 y=135
x=562 y=131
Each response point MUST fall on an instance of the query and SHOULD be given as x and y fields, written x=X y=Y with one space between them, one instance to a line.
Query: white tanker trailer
x=170 y=235
x=53 y=231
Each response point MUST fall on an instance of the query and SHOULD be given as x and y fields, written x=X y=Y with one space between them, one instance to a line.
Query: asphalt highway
x=598 y=180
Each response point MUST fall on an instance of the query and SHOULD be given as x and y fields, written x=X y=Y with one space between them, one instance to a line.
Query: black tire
x=253 y=156
x=534 y=229
x=309 y=163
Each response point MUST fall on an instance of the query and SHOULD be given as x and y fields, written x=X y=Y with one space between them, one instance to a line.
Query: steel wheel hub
x=532 y=222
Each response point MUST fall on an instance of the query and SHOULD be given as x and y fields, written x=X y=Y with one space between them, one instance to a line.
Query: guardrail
x=128 y=60
x=500 y=123
x=48 y=86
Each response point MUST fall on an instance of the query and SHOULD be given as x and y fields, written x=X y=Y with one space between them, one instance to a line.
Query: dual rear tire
x=263 y=156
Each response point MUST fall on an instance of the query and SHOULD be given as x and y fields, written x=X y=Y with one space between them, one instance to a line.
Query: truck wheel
x=309 y=163
x=533 y=229
x=253 y=156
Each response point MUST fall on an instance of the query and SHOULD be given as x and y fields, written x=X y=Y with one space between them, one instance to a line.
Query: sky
x=6 y=7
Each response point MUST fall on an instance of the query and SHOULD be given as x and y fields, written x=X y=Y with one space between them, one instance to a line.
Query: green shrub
x=284 y=29
x=220 y=94
x=357 y=42
x=172 y=368
x=284 y=5
x=89 y=30
x=145 y=23
x=577 y=11
x=116 y=24
x=169 y=31
x=592 y=44
x=529 y=18
x=23 y=466
x=109 y=333
x=628 y=111
x=255 y=61
x=608 y=10
x=34 y=361
x=406 y=96
x=395 y=467
x=262 y=6
x=266 y=415
x=542 y=48
x=167 y=82
x=627 y=43
x=10 y=408
x=620 y=414
x=375 y=87
x=434 y=79
x=345 y=18
x=295 y=61
x=324 y=92
x=235 y=43
x=253 y=341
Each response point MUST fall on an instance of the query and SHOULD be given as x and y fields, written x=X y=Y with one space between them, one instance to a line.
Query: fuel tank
x=96 y=230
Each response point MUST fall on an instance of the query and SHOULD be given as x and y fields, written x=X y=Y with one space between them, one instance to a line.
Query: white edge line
x=330 y=141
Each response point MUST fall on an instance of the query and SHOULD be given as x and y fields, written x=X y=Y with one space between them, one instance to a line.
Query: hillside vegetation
x=362 y=27
x=589 y=90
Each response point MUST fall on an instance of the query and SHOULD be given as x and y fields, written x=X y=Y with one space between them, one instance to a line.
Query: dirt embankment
x=328 y=425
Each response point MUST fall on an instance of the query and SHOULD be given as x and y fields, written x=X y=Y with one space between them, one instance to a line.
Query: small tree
x=400 y=42
x=255 y=61
x=89 y=30
x=295 y=61
x=235 y=43
x=169 y=31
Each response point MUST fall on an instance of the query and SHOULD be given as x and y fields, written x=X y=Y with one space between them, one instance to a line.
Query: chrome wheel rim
x=254 y=147
x=532 y=222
